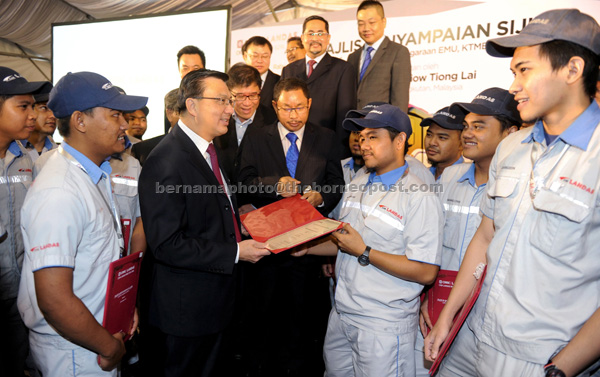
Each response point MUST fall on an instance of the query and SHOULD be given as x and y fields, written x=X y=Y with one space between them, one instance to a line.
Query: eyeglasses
x=257 y=56
x=242 y=97
x=222 y=101
x=316 y=34
x=288 y=110
x=292 y=49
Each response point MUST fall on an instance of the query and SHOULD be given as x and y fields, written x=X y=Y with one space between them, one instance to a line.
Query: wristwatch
x=363 y=260
x=552 y=371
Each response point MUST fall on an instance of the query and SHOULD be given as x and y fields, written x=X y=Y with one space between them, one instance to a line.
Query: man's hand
x=328 y=270
x=111 y=360
x=252 y=251
x=135 y=323
x=288 y=186
x=424 y=320
x=435 y=338
x=314 y=198
x=349 y=240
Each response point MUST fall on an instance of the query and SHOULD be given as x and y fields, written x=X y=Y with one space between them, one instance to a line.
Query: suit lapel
x=321 y=68
x=306 y=150
x=276 y=148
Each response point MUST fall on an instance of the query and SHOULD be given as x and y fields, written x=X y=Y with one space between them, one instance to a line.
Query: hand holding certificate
x=287 y=223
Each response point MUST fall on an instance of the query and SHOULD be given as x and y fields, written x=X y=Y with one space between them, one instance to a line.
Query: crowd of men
x=214 y=302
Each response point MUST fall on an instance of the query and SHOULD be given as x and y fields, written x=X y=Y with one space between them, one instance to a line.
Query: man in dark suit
x=193 y=235
x=142 y=149
x=257 y=52
x=244 y=84
x=280 y=284
x=381 y=66
x=331 y=81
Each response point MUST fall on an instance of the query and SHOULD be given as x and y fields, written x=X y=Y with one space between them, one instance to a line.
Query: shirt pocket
x=386 y=228
x=451 y=230
x=503 y=191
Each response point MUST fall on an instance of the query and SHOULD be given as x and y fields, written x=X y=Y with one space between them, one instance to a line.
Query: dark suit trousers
x=174 y=356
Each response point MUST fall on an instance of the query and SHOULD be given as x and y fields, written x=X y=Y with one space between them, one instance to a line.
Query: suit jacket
x=387 y=78
x=266 y=93
x=190 y=281
x=142 y=150
x=228 y=146
x=332 y=87
x=262 y=162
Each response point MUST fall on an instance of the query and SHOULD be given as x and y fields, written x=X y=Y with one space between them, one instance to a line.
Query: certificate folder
x=438 y=294
x=458 y=322
x=287 y=223
x=121 y=294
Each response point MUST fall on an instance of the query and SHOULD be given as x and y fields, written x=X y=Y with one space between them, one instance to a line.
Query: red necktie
x=215 y=168
x=311 y=64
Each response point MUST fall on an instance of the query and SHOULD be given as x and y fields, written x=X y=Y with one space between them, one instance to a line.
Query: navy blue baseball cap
x=12 y=84
x=81 y=91
x=558 y=24
x=382 y=116
x=445 y=119
x=365 y=110
x=492 y=101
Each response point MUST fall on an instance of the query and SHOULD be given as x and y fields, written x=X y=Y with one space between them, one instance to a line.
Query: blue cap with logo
x=492 y=101
x=450 y=120
x=558 y=24
x=81 y=91
x=365 y=110
x=13 y=84
x=382 y=116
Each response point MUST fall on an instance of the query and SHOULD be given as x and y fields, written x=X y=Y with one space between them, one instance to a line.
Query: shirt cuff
x=237 y=254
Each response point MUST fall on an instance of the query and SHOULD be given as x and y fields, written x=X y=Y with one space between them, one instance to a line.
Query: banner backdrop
x=447 y=46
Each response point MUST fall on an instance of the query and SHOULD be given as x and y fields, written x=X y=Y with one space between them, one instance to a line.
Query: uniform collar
x=469 y=176
x=433 y=169
x=94 y=171
x=578 y=133
x=388 y=179
x=15 y=149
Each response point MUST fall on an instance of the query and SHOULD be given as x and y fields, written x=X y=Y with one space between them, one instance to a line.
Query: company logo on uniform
x=124 y=176
x=391 y=211
x=485 y=98
x=26 y=170
x=107 y=86
x=11 y=77
x=579 y=185
x=43 y=247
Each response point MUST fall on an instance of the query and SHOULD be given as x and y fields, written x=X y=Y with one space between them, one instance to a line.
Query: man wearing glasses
x=190 y=217
x=244 y=84
x=277 y=161
x=295 y=49
x=257 y=53
x=331 y=81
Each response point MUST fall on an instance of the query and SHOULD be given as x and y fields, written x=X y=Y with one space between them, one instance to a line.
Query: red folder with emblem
x=121 y=294
x=458 y=322
x=287 y=223
x=438 y=294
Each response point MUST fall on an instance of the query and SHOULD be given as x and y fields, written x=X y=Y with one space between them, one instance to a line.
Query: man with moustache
x=540 y=213
x=381 y=66
x=331 y=81
x=40 y=141
x=17 y=121
x=65 y=272
x=442 y=141
x=295 y=49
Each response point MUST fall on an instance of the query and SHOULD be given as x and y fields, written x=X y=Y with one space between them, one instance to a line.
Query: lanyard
x=112 y=207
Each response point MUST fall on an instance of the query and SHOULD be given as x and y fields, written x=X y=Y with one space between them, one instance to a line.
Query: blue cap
x=365 y=110
x=450 y=120
x=13 y=84
x=558 y=24
x=81 y=91
x=492 y=101
x=379 y=117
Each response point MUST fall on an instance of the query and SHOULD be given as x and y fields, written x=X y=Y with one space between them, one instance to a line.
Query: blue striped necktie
x=291 y=158
x=366 y=62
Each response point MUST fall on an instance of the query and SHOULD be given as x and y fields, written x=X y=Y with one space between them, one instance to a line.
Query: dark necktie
x=291 y=158
x=366 y=62
x=311 y=64
x=215 y=168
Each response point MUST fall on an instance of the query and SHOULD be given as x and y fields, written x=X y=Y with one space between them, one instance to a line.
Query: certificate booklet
x=438 y=294
x=287 y=223
x=458 y=322
x=121 y=295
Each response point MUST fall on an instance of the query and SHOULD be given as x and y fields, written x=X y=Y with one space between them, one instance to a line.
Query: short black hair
x=288 y=84
x=312 y=18
x=372 y=4
x=506 y=123
x=192 y=85
x=559 y=53
x=257 y=40
x=296 y=39
x=171 y=99
x=64 y=124
x=191 y=50
x=3 y=98
x=243 y=75
x=393 y=133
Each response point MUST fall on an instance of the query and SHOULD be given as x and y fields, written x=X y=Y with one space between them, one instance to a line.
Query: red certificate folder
x=287 y=223
x=458 y=322
x=121 y=294
x=438 y=294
